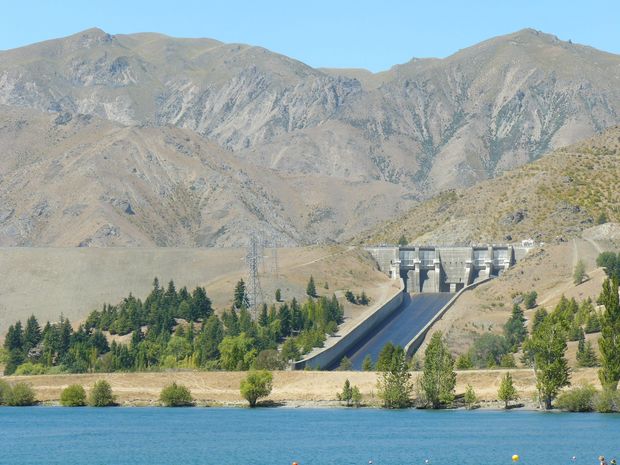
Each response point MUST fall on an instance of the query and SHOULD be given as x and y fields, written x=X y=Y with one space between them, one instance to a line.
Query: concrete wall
x=445 y=268
x=384 y=256
x=417 y=340
x=335 y=351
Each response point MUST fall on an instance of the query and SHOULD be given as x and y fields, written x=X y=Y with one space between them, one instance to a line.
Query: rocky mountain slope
x=301 y=154
x=551 y=199
x=83 y=181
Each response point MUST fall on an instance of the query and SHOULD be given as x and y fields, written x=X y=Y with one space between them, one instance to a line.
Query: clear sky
x=362 y=34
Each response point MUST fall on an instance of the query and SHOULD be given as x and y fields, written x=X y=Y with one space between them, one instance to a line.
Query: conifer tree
x=609 y=342
x=311 y=288
x=507 y=391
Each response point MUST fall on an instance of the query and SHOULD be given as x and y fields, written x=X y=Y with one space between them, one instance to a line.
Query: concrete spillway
x=399 y=328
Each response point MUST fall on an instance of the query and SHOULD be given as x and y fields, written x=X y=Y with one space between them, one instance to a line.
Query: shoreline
x=291 y=389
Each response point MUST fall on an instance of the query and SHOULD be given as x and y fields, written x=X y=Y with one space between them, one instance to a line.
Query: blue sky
x=364 y=34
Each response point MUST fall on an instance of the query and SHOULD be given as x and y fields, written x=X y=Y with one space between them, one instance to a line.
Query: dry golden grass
x=290 y=387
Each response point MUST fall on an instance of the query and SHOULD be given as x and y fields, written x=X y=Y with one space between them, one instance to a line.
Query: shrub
x=607 y=401
x=256 y=384
x=578 y=399
x=529 y=299
x=176 y=395
x=73 y=396
x=101 y=395
x=21 y=395
x=30 y=368
x=5 y=392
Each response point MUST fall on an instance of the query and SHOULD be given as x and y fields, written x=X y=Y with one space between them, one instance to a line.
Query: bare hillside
x=74 y=281
x=83 y=181
x=551 y=199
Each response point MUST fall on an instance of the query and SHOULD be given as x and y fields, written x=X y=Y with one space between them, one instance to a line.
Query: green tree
x=101 y=394
x=507 y=391
x=367 y=364
x=311 y=288
x=438 y=378
x=611 y=263
x=545 y=351
x=356 y=396
x=278 y=295
x=402 y=241
x=586 y=356
x=257 y=384
x=176 y=395
x=346 y=394
x=239 y=299
x=514 y=329
x=384 y=362
x=363 y=299
x=394 y=384
x=32 y=334
x=237 y=352
x=609 y=342
x=539 y=317
x=73 y=396
x=290 y=351
x=345 y=364
x=579 y=273
x=470 y=397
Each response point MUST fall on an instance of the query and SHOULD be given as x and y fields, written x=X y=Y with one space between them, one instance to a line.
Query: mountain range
x=145 y=139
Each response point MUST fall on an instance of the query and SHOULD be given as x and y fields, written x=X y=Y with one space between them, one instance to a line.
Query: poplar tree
x=438 y=378
x=545 y=351
x=609 y=342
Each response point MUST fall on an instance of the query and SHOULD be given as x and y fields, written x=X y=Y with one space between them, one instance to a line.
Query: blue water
x=136 y=436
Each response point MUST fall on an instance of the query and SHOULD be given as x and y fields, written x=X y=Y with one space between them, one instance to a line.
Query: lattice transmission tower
x=253 y=260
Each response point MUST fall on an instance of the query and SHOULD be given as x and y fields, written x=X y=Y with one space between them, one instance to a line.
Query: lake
x=235 y=436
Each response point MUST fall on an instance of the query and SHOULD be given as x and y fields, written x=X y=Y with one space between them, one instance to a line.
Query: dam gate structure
x=427 y=269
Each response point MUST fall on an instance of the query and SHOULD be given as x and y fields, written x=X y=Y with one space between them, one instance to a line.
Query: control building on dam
x=444 y=269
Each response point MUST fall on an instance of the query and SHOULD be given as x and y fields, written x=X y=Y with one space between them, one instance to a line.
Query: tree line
x=173 y=329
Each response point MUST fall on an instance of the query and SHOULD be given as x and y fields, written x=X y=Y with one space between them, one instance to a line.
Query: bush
x=5 y=392
x=73 y=396
x=176 y=395
x=578 y=399
x=101 y=395
x=21 y=395
x=529 y=299
x=607 y=401
x=256 y=384
x=30 y=368
x=579 y=273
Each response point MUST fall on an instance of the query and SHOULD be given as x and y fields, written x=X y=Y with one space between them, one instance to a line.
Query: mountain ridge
x=388 y=139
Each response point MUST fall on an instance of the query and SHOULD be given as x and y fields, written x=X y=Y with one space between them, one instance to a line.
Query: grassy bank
x=306 y=388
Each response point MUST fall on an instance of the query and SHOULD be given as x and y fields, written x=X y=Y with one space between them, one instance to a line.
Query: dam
x=433 y=269
x=430 y=279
